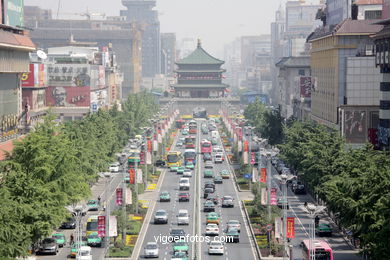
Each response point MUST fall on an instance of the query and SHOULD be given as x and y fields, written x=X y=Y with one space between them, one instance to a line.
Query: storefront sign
x=36 y=77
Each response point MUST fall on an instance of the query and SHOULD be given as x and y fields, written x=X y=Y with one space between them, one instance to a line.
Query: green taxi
x=165 y=196
x=225 y=174
x=180 y=170
x=60 y=239
x=208 y=174
x=180 y=246
x=232 y=235
x=93 y=239
x=179 y=256
x=73 y=249
x=213 y=217
x=190 y=165
x=324 y=230
x=93 y=205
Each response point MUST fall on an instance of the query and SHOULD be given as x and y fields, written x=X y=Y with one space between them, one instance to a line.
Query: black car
x=69 y=223
x=159 y=163
x=299 y=189
x=207 y=157
x=177 y=233
x=184 y=196
x=48 y=246
x=208 y=206
x=213 y=197
x=207 y=191
x=209 y=185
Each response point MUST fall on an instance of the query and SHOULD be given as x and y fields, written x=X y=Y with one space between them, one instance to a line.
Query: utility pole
x=124 y=203
x=136 y=184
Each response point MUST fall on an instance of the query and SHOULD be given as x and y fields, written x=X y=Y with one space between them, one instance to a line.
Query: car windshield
x=151 y=246
x=48 y=241
x=183 y=181
x=182 y=214
x=160 y=213
x=233 y=222
x=91 y=202
x=180 y=243
x=93 y=236
x=177 y=231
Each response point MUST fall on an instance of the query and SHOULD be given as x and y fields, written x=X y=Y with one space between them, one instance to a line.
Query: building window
x=301 y=72
x=384 y=104
x=370 y=15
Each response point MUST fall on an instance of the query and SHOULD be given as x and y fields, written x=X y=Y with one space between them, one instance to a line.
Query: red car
x=184 y=196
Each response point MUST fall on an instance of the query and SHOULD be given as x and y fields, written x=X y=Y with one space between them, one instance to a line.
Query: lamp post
x=284 y=178
x=313 y=211
x=78 y=213
x=107 y=175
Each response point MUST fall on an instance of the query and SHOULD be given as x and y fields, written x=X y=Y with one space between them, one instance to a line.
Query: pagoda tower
x=199 y=75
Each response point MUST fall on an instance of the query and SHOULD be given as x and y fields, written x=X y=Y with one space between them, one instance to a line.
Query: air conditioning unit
x=369 y=50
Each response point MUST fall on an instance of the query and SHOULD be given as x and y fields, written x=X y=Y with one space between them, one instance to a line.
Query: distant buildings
x=168 y=56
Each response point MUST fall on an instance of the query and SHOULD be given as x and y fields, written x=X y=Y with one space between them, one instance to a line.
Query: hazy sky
x=216 y=22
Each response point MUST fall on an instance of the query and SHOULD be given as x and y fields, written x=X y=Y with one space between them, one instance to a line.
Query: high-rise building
x=168 y=47
x=141 y=11
x=277 y=30
x=337 y=11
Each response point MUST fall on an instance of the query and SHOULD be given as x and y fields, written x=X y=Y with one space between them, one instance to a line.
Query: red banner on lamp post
x=142 y=158
x=150 y=145
x=290 y=227
x=132 y=175
x=246 y=146
x=253 y=158
x=101 y=226
x=263 y=175
x=119 y=196
x=274 y=197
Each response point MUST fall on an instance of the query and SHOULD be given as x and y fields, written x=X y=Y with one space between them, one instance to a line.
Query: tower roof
x=200 y=56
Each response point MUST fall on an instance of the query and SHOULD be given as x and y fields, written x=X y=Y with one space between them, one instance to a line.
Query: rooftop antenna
x=58 y=8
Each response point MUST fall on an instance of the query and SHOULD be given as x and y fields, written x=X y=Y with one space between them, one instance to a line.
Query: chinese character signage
x=68 y=96
x=75 y=75
x=14 y=11
x=305 y=86
x=101 y=226
x=263 y=175
x=274 y=199
x=290 y=227
x=119 y=196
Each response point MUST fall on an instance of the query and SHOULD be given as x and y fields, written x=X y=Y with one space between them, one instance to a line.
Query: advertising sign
x=99 y=97
x=142 y=158
x=305 y=86
x=139 y=176
x=14 y=12
x=113 y=227
x=150 y=145
x=246 y=146
x=132 y=175
x=264 y=196
x=119 y=196
x=290 y=227
x=253 y=158
x=101 y=226
x=355 y=126
x=75 y=75
x=263 y=175
x=245 y=157
x=278 y=227
x=36 y=77
x=274 y=197
x=129 y=197
x=149 y=158
x=68 y=96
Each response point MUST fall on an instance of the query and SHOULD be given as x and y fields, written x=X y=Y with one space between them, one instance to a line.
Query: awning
x=16 y=41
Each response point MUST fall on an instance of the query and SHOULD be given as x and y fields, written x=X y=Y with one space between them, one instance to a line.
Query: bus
x=189 y=142
x=174 y=159
x=322 y=250
x=206 y=147
x=92 y=225
x=134 y=157
x=190 y=156
x=199 y=112
x=180 y=123
x=192 y=126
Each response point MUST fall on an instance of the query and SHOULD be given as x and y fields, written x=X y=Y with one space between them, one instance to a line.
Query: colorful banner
x=246 y=146
x=119 y=196
x=101 y=226
x=263 y=175
x=129 y=197
x=139 y=175
x=290 y=227
x=36 y=77
x=68 y=96
x=148 y=158
x=113 y=227
x=253 y=158
x=278 y=227
x=239 y=146
x=132 y=175
x=150 y=145
x=155 y=145
x=245 y=157
x=274 y=197
x=264 y=196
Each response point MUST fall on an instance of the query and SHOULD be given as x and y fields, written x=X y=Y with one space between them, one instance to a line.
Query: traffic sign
x=247 y=176
x=269 y=227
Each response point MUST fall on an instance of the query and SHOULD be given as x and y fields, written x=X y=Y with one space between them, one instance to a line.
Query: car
x=218 y=158
x=180 y=170
x=93 y=239
x=208 y=165
x=208 y=206
x=75 y=246
x=184 y=196
x=184 y=184
x=212 y=230
x=69 y=223
x=93 y=205
x=205 y=131
x=60 y=239
x=190 y=165
x=184 y=132
x=207 y=191
x=183 y=218
x=232 y=235
x=207 y=157
x=299 y=188
x=281 y=201
x=217 y=149
x=159 y=163
x=179 y=144
x=208 y=173
x=218 y=179
x=227 y=202
x=234 y=224
x=180 y=246
x=214 y=141
x=216 y=248
x=213 y=217
x=161 y=217
x=209 y=184
x=224 y=174
x=179 y=256
x=187 y=173
x=165 y=196
x=173 y=168
x=182 y=139
x=114 y=167
x=213 y=197
x=84 y=253
x=176 y=233
x=324 y=229
x=48 y=246
x=151 y=250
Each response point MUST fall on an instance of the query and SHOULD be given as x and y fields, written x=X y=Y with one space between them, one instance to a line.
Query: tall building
x=337 y=11
x=168 y=47
x=277 y=30
x=141 y=12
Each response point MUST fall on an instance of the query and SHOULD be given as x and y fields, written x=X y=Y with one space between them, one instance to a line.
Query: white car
x=84 y=253
x=227 y=202
x=217 y=149
x=187 y=173
x=114 y=167
x=208 y=164
x=233 y=224
x=218 y=158
x=216 y=248
x=183 y=218
x=151 y=250
x=184 y=184
x=212 y=230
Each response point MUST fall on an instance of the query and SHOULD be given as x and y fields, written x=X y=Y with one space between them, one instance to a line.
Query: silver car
x=208 y=164
x=151 y=250
x=161 y=217
x=233 y=224
x=227 y=202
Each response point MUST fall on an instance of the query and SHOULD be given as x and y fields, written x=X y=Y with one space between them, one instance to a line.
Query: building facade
x=199 y=75
x=168 y=57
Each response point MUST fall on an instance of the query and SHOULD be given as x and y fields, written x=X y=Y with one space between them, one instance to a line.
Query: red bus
x=189 y=142
x=206 y=147
x=322 y=250
x=192 y=126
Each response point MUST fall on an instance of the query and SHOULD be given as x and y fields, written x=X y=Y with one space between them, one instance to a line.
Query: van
x=184 y=184
x=214 y=134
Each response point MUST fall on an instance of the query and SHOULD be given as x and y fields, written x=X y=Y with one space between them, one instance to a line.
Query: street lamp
x=284 y=178
x=313 y=211
x=78 y=214
x=107 y=175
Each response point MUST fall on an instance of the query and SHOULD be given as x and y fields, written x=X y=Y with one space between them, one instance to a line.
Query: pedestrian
x=305 y=204
x=71 y=239
x=99 y=199
x=317 y=221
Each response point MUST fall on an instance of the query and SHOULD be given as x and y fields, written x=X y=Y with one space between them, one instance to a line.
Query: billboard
x=34 y=98
x=355 y=126
x=98 y=99
x=305 y=86
x=68 y=96
x=14 y=12
x=74 y=75
x=36 y=77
